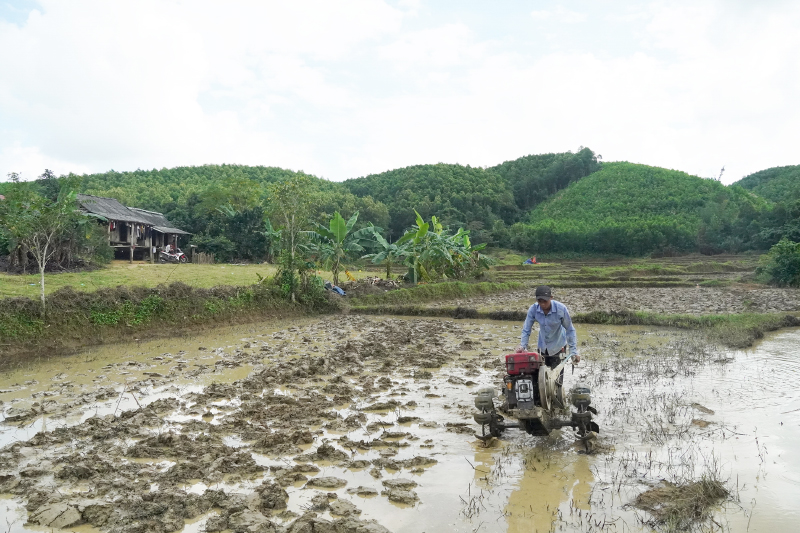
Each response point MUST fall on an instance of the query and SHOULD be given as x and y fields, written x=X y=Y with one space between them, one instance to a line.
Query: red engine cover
x=522 y=363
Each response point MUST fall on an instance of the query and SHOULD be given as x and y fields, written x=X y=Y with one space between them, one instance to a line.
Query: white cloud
x=346 y=89
x=29 y=163
x=559 y=14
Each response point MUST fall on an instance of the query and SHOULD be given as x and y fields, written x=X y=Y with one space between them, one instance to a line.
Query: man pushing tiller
x=556 y=331
x=533 y=390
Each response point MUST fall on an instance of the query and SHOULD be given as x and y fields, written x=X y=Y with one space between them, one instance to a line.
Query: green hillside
x=779 y=184
x=635 y=209
x=567 y=202
x=458 y=195
x=534 y=178
x=473 y=197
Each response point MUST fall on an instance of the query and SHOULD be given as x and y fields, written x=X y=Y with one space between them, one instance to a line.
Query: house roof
x=158 y=221
x=113 y=210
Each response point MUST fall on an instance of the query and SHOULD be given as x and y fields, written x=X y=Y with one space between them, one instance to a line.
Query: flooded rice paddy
x=363 y=424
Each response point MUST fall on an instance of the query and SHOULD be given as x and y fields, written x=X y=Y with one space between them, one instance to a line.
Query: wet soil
x=363 y=424
x=674 y=300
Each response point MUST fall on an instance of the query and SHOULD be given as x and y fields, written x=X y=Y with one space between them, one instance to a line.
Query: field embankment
x=77 y=319
x=688 y=293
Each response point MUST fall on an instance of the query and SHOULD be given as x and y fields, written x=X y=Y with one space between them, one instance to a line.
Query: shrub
x=781 y=265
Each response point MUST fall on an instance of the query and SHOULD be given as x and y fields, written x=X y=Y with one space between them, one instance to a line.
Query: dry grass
x=676 y=507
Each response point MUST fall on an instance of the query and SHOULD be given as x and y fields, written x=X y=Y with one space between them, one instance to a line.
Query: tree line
x=42 y=220
x=547 y=203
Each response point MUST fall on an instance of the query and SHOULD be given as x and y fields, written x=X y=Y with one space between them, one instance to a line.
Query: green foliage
x=388 y=254
x=431 y=253
x=128 y=313
x=781 y=265
x=94 y=248
x=460 y=195
x=39 y=224
x=222 y=247
x=534 y=178
x=634 y=209
x=578 y=205
x=779 y=184
x=234 y=235
x=338 y=242
x=20 y=326
x=272 y=237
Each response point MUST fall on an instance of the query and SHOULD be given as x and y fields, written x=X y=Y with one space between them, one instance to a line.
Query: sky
x=350 y=88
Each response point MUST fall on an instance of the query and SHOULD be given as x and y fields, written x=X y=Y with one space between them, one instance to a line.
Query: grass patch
x=141 y=274
x=733 y=330
x=634 y=270
x=677 y=507
x=566 y=283
x=504 y=256
x=434 y=291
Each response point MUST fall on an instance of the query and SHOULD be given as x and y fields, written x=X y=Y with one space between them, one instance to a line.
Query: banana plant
x=416 y=241
x=431 y=252
x=388 y=254
x=273 y=240
x=335 y=243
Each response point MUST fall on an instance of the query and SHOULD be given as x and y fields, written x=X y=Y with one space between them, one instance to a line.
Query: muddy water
x=375 y=400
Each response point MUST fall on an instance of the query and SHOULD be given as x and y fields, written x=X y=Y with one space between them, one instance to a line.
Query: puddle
x=374 y=414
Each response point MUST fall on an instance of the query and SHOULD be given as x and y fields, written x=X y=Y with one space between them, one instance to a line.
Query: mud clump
x=362 y=491
x=344 y=508
x=325 y=452
x=407 y=497
x=399 y=483
x=680 y=506
x=283 y=442
x=271 y=496
x=56 y=515
x=327 y=482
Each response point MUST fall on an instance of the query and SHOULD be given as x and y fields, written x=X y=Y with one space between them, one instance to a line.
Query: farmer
x=555 y=328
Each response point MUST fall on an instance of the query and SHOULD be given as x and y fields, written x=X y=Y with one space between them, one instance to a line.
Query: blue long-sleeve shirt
x=555 y=328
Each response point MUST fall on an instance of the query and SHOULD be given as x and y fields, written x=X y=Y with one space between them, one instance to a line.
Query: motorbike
x=172 y=257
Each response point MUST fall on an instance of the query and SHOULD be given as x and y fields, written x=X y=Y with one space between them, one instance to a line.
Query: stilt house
x=132 y=228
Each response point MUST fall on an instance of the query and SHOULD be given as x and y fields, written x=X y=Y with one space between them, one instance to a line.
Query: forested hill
x=473 y=197
x=635 y=209
x=534 y=178
x=158 y=189
x=547 y=203
x=779 y=184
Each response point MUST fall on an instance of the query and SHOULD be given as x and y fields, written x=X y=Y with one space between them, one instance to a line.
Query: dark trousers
x=554 y=360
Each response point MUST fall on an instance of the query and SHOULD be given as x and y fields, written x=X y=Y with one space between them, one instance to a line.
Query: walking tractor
x=533 y=394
